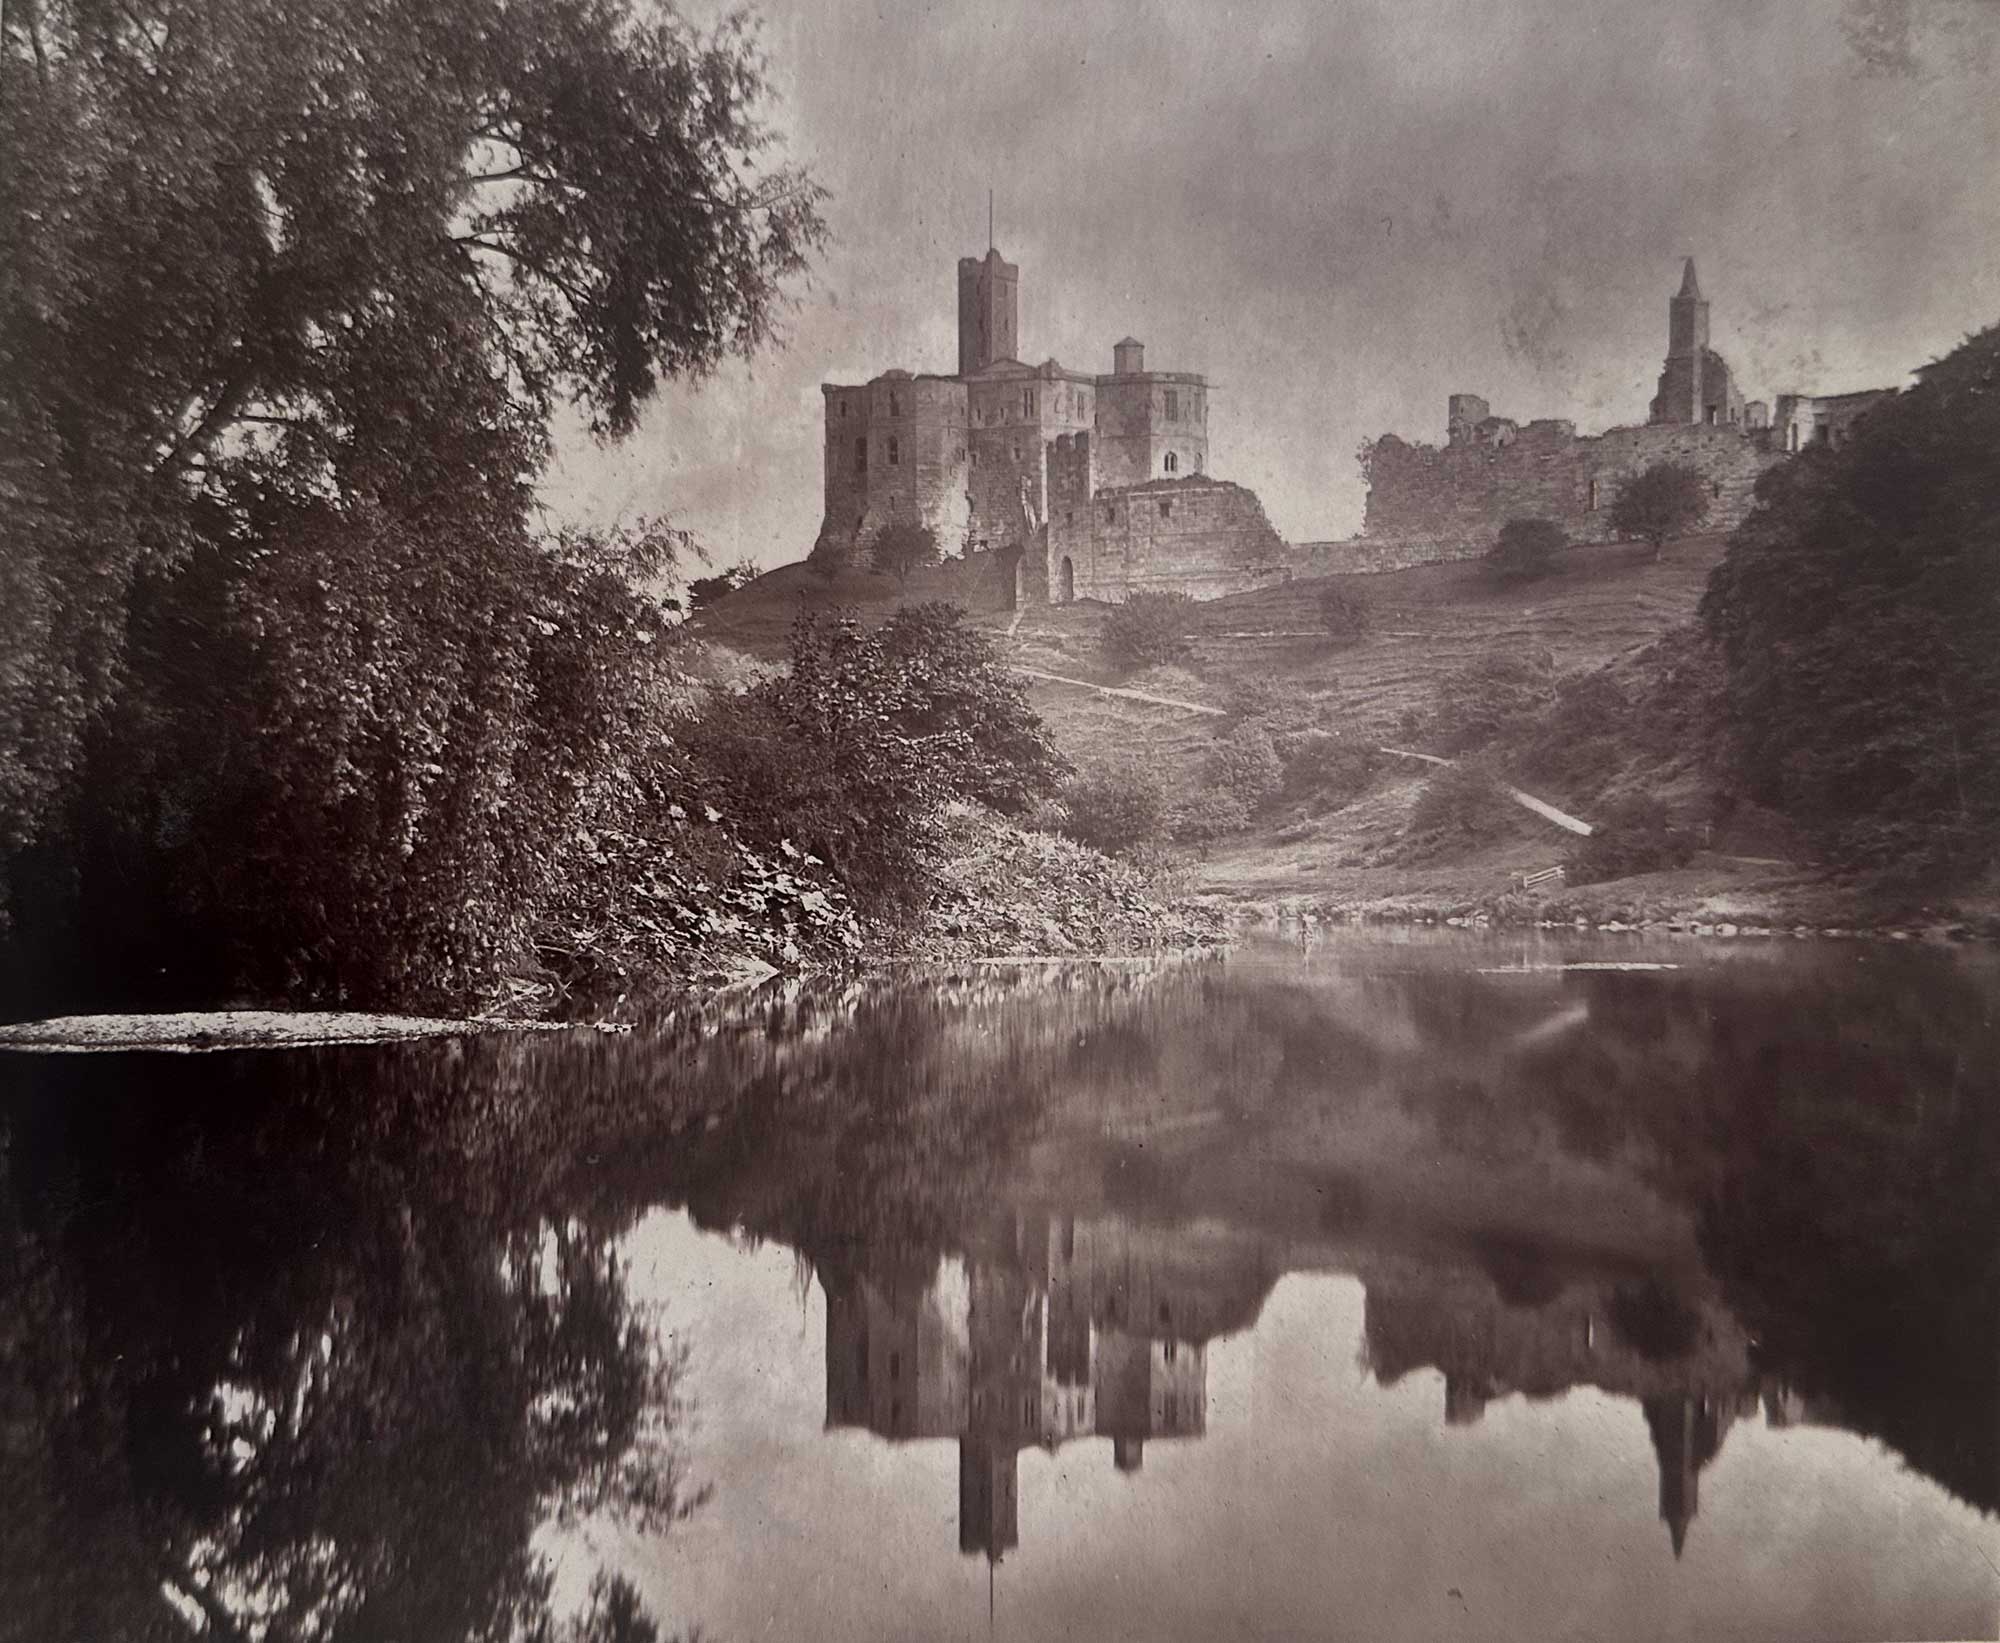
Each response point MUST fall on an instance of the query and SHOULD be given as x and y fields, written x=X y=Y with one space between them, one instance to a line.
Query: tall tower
x=1680 y=397
x=988 y=311
x=1687 y=317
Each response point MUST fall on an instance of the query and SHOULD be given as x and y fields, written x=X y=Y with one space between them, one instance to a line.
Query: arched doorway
x=1066 y=582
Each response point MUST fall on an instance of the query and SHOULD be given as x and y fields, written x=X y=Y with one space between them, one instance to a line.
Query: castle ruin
x=1087 y=486
x=1428 y=503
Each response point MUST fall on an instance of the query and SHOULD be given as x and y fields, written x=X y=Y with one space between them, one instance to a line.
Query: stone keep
x=973 y=458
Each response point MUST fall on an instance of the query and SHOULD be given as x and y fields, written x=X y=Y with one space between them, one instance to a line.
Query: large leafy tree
x=1856 y=609
x=288 y=289
x=1667 y=500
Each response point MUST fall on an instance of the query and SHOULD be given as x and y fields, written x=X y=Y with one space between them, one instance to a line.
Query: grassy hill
x=1605 y=609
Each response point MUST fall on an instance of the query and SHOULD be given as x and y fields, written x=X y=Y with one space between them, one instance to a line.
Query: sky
x=1341 y=211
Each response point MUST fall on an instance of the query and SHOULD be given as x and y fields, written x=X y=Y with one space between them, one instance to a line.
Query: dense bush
x=1212 y=814
x=1344 y=615
x=848 y=754
x=1462 y=805
x=1857 y=609
x=1585 y=736
x=1114 y=809
x=1527 y=550
x=1636 y=835
x=1252 y=696
x=1327 y=766
x=1242 y=762
x=1488 y=698
x=1149 y=629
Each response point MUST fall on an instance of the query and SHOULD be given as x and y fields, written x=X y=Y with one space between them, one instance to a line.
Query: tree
x=1855 y=610
x=704 y=591
x=1666 y=501
x=290 y=282
x=1527 y=550
x=1344 y=615
x=902 y=547
x=1148 y=630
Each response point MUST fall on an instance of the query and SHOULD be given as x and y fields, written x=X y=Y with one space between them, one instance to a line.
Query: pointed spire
x=1690 y=286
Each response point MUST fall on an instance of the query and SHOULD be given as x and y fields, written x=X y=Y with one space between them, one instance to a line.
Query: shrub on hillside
x=1636 y=835
x=1210 y=815
x=1461 y=805
x=1114 y=809
x=1327 y=766
x=1242 y=762
x=1344 y=615
x=1252 y=697
x=1585 y=736
x=1527 y=550
x=1487 y=698
x=1668 y=500
x=848 y=755
x=1148 y=630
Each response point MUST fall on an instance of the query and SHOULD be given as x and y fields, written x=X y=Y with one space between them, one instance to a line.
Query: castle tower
x=988 y=1498
x=988 y=311
x=1696 y=385
x=1687 y=317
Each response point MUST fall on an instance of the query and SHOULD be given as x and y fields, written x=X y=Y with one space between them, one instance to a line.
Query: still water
x=1386 y=1288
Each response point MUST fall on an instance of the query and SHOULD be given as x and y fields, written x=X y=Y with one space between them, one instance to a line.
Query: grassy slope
x=1608 y=603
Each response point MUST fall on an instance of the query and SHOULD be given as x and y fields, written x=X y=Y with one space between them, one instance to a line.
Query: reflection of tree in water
x=277 y=1371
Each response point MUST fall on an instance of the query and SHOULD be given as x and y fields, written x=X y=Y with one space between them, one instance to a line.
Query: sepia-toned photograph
x=880 y=821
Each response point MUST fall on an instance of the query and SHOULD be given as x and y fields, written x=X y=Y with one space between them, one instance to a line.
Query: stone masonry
x=1428 y=503
x=973 y=457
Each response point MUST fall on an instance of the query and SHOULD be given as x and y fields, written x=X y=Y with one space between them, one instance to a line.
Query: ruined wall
x=1462 y=493
x=1428 y=504
x=1014 y=414
x=1198 y=536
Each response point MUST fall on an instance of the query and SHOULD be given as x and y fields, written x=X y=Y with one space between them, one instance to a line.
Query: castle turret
x=1695 y=382
x=989 y=290
x=1128 y=357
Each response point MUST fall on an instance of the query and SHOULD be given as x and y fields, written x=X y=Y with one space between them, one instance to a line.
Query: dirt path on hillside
x=1117 y=690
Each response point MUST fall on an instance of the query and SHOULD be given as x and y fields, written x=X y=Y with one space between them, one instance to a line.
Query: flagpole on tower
x=989 y=219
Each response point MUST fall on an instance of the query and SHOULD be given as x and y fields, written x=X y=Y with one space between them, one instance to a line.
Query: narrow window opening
x=1172 y=462
x=861 y=455
x=895 y=452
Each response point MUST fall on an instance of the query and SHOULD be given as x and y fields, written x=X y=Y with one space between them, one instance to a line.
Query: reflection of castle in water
x=1048 y=1331
x=1488 y=1348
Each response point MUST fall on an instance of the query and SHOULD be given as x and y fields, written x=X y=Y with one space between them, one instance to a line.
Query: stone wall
x=895 y=452
x=1427 y=504
x=1135 y=433
x=1199 y=536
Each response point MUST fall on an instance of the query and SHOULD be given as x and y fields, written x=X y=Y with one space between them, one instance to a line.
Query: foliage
x=1149 y=630
x=1587 y=733
x=901 y=547
x=1114 y=809
x=1326 y=765
x=1668 y=500
x=703 y=591
x=1487 y=698
x=1637 y=835
x=1243 y=763
x=288 y=291
x=1856 y=610
x=1462 y=805
x=1345 y=616
x=1252 y=696
x=849 y=754
x=1526 y=551
x=1213 y=813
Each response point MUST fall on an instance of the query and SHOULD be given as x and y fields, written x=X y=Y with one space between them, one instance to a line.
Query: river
x=1387 y=1287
